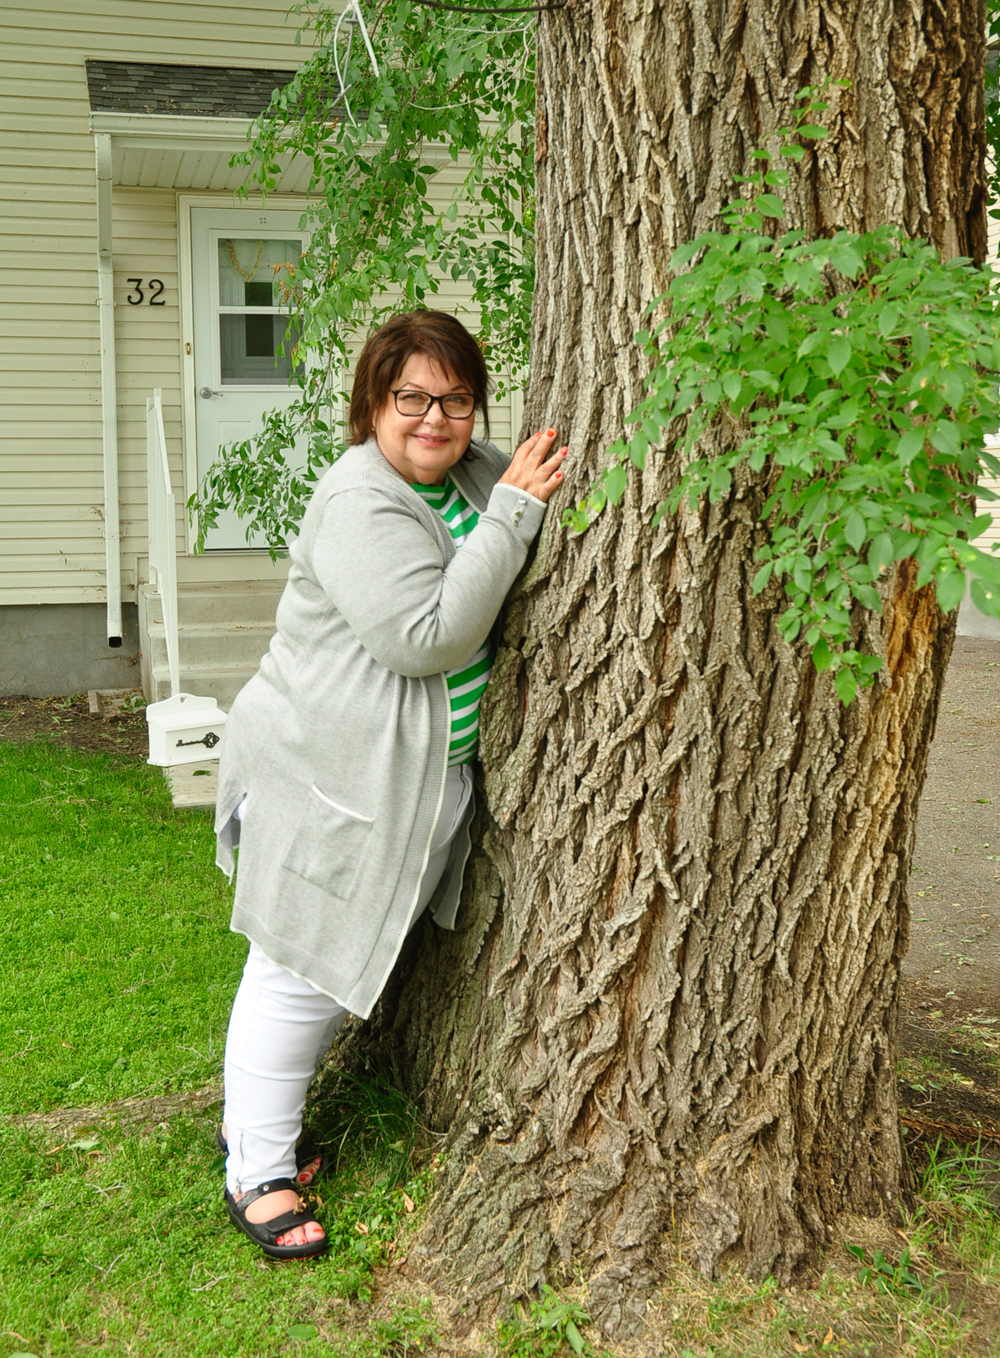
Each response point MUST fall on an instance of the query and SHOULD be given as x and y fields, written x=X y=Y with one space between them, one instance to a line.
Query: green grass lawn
x=117 y=971
x=117 y=967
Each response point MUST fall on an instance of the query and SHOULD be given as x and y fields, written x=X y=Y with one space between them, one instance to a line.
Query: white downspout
x=109 y=393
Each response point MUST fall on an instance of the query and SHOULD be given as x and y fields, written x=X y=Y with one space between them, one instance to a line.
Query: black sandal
x=306 y=1152
x=265 y=1233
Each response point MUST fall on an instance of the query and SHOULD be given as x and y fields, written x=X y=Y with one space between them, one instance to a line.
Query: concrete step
x=204 y=643
x=223 y=630
x=252 y=602
x=221 y=682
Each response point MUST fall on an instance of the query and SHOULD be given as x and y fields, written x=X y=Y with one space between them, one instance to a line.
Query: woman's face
x=423 y=448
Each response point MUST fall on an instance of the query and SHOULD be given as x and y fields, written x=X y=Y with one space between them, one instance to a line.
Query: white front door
x=239 y=258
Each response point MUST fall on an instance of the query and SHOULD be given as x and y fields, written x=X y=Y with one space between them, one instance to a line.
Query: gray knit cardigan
x=340 y=742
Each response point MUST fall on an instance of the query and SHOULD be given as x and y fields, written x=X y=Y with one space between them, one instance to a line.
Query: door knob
x=207 y=392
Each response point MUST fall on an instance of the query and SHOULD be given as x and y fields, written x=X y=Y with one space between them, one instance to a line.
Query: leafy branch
x=451 y=88
x=856 y=376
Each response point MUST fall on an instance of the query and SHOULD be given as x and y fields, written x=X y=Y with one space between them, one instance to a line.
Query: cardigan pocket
x=328 y=846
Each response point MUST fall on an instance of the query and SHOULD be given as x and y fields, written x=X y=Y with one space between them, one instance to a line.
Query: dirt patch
x=68 y=721
x=949 y=1070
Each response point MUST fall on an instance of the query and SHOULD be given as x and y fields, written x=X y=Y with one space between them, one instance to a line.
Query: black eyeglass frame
x=396 y=392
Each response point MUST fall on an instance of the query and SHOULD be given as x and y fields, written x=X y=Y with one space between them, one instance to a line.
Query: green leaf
x=867 y=596
x=870 y=664
x=927 y=571
x=776 y=325
x=302 y=1333
x=812 y=341
x=87 y=1144
x=846 y=685
x=812 y=130
x=574 y=1338
x=769 y=204
x=911 y=443
x=983 y=564
x=682 y=254
x=855 y=531
x=847 y=260
x=762 y=577
x=821 y=656
x=986 y=598
x=944 y=437
x=950 y=589
x=615 y=481
x=880 y=552
x=732 y=384
x=838 y=354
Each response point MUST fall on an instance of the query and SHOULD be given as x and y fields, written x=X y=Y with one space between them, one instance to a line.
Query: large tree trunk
x=670 y=1010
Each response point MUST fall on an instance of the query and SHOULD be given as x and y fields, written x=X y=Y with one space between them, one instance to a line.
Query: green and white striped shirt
x=466 y=685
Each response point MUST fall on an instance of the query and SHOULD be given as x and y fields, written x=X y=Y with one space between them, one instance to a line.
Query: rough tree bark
x=669 y=1014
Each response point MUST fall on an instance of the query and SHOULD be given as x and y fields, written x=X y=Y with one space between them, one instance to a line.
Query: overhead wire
x=352 y=14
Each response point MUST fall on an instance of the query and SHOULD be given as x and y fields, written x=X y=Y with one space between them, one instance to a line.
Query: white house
x=130 y=266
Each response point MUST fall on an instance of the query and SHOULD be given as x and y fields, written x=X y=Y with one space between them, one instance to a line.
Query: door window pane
x=248 y=348
x=251 y=274
x=249 y=270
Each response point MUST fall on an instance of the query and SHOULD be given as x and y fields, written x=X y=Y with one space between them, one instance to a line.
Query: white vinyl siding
x=148 y=342
x=51 y=483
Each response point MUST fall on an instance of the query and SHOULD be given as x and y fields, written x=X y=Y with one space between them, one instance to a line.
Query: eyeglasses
x=457 y=405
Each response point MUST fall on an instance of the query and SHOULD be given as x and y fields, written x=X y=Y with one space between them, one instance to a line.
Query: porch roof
x=181 y=91
x=177 y=126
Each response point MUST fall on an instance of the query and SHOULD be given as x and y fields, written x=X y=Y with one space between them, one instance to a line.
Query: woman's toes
x=308 y=1172
x=303 y=1235
x=275 y=1205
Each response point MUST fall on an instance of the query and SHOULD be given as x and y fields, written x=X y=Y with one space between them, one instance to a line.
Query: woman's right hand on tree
x=534 y=467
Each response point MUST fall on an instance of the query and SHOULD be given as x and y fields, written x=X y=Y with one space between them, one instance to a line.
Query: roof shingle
x=185 y=91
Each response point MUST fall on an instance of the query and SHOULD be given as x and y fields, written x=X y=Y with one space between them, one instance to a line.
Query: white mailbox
x=184 y=729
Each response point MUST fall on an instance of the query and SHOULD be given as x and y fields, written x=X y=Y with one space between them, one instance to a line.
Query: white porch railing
x=162 y=530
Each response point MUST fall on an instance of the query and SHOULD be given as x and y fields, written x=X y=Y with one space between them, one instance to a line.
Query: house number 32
x=138 y=294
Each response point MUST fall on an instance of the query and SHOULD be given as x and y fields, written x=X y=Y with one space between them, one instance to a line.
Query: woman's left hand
x=534 y=467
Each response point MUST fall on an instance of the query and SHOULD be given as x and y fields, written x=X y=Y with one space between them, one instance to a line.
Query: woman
x=345 y=772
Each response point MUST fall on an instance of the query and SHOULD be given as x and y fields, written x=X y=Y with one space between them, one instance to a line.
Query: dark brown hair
x=438 y=335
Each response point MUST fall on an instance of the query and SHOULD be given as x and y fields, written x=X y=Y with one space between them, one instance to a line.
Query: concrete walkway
x=193 y=784
x=955 y=886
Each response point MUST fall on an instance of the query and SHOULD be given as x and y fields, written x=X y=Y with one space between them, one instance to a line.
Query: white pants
x=281 y=1026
